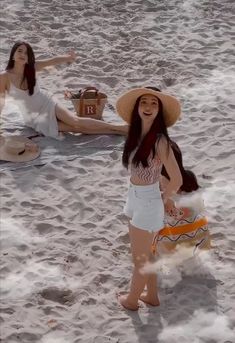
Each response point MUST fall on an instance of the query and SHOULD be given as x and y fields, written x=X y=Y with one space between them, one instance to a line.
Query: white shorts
x=144 y=207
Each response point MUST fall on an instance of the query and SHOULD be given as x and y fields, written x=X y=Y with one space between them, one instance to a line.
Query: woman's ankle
x=151 y=299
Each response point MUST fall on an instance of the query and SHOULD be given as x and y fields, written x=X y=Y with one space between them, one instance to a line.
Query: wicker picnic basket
x=88 y=102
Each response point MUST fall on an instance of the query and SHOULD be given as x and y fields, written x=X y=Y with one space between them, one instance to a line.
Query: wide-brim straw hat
x=18 y=149
x=171 y=106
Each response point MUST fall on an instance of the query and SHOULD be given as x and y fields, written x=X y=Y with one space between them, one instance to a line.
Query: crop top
x=150 y=174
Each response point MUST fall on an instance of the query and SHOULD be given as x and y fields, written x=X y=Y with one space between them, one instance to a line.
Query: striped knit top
x=150 y=174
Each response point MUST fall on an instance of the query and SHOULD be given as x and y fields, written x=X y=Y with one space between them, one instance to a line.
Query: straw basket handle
x=87 y=89
x=90 y=88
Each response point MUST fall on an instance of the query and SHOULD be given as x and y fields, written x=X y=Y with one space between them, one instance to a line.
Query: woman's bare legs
x=67 y=122
x=141 y=252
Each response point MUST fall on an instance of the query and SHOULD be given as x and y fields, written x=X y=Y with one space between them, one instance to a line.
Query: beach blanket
x=68 y=147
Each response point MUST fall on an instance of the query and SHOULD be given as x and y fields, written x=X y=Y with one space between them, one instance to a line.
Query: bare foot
x=150 y=301
x=123 y=299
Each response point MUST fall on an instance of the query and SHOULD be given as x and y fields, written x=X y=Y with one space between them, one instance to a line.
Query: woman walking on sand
x=147 y=148
x=40 y=112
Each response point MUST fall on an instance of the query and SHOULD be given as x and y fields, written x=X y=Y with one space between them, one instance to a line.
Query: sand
x=64 y=239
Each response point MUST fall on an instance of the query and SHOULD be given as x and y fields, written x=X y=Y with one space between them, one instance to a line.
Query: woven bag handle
x=87 y=89
x=90 y=89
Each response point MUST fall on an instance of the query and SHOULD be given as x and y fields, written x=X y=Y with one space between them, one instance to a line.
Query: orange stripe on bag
x=178 y=230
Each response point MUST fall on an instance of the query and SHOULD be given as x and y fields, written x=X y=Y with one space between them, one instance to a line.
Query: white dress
x=38 y=109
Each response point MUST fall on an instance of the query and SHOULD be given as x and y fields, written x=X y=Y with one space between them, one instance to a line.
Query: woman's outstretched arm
x=69 y=58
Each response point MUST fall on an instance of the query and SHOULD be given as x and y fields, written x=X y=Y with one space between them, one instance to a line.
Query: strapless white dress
x=38 y=110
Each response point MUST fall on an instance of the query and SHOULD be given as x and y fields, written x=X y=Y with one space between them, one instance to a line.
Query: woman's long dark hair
x=190 y=183
x=157 y=130
x=29 y=69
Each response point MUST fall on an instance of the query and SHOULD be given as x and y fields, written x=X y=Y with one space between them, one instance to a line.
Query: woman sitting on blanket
x=185 y=224
x=40 y=112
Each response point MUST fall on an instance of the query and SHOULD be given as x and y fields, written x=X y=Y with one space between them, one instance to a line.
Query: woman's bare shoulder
x=4 y=75
x=4 y=78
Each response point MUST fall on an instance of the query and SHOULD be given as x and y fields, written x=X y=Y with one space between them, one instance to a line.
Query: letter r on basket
x=90 y=109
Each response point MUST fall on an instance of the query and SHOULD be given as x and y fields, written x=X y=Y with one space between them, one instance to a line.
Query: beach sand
x=64 y=239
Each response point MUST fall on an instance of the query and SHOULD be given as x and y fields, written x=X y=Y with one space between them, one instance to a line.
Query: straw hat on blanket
x=18 y=149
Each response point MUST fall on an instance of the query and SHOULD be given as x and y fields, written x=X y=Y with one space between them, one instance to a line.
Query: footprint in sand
x=61 y=296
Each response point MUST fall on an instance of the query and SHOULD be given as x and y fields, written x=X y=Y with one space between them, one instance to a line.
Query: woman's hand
x=172 y=211
x=169 y=205
x=67 y=95
x=71 y=57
